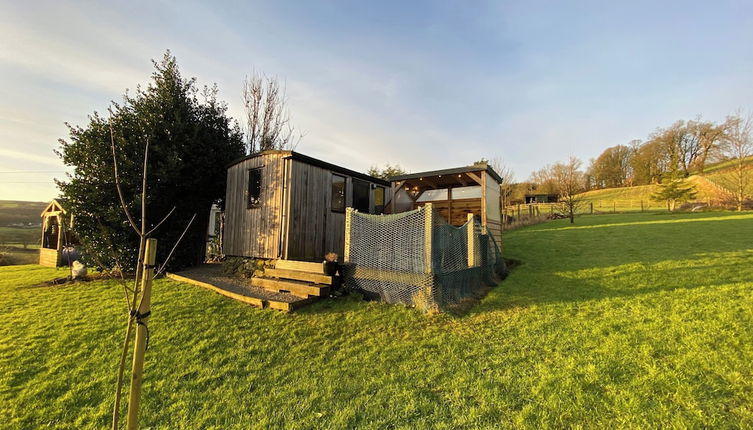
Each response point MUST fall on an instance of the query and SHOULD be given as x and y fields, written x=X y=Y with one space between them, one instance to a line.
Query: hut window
x=254 y=188
x=338 y=193
x=361 y=196
x=379 y=200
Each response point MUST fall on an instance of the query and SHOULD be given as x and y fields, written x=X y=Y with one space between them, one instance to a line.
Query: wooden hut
x=454 y=193
x=286 y=205
x=56 y=231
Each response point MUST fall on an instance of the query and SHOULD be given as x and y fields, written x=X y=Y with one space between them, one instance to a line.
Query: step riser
x=302 y=266
x=298 y=276
x=299 y=290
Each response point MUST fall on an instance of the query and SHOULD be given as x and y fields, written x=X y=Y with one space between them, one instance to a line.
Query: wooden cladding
x=278 y=206
x=254 y=230
x=254 y=187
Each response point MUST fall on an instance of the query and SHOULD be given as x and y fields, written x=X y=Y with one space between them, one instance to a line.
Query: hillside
x=20 y=212
x=713 y=186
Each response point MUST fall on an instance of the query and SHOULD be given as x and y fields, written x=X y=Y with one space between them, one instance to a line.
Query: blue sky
x=427 y=85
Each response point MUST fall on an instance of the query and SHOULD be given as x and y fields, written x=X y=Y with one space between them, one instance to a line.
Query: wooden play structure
x=56 y=234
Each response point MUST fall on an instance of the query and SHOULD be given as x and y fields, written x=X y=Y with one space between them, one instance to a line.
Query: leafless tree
x=738 y=147
x=570 y=181
x=268 y=123
x=137 y=296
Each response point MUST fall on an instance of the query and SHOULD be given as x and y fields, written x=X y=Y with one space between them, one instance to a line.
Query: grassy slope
x=628 y=198
x=638 y=320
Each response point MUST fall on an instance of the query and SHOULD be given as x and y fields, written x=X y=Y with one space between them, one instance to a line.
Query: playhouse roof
x=59 y=204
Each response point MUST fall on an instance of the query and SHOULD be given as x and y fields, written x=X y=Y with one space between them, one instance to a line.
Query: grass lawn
x=628 y=320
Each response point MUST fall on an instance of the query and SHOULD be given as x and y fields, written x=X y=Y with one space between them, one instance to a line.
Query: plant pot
x=330 y=268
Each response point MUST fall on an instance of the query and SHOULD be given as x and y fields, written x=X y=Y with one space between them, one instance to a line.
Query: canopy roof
x=455 y=177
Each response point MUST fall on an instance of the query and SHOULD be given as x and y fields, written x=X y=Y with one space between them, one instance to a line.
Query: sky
x=426 y=85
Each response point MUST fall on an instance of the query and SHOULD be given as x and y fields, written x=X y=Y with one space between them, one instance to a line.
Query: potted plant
x=331 y=266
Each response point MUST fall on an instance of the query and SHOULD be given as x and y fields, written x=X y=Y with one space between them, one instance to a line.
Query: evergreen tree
x=191 y=140
x=386 y=172
x=673 y=190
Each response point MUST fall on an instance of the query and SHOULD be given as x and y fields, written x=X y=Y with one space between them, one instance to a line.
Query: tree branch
x=117 y=182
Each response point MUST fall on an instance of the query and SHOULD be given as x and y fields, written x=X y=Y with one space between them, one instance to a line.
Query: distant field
x=622 y=199
x=29 y=236
x=12 y=212
x=14 y=255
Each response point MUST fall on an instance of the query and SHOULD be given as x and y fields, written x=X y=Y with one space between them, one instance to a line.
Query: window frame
x=384 y=199
x=249 y=203
x=344 y=194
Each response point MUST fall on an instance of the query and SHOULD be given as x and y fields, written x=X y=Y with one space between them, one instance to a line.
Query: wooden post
x=471 y=237
x=139 y=348
x=641 y=205
x=428 y=233
x=483 y=199
x=346 y=250
x=449 y=205
x=614 y=206
x=592 y=208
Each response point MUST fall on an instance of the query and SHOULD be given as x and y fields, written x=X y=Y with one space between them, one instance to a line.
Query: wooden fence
x=518 y=215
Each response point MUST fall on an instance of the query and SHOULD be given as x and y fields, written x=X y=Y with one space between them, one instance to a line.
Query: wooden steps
x=286 y=287
x=301 y=266
x=290 y=306
x=298 y=288
x=253 y=301
x=298 y=276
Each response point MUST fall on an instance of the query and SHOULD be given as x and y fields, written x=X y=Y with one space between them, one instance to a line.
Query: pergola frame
x=455 y=210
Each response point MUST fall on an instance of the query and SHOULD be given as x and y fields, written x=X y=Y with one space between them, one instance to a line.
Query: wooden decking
x=288 y=286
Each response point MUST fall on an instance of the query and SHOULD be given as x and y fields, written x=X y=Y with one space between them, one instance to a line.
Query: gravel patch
x=212 y=274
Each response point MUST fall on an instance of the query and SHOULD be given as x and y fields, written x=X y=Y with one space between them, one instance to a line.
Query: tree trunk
x=740 y=187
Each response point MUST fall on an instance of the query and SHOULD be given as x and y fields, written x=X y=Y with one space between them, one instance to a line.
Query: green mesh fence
x=417 y=258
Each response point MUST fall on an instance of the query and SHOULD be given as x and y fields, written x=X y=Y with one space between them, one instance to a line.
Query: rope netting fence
x=418 y=258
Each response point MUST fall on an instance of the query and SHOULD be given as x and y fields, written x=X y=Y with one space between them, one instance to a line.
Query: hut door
x=361 y=190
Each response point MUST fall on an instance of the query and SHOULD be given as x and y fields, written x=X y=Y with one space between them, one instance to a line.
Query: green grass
x=724 y=165
x=625 y=199
x=628 y=320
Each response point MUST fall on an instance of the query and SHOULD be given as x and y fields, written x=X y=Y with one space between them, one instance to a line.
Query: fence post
x=471 y=237
x=641 y=205
x=428 y=229
x=592 y=208
x=614 y=206
x=139 y=347
x=346 y=251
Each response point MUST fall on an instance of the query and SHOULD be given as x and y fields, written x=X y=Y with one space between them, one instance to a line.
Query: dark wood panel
x=254 y=232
